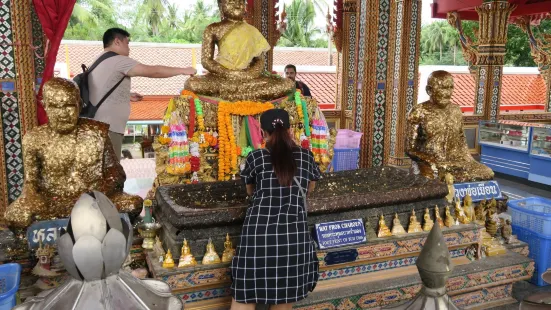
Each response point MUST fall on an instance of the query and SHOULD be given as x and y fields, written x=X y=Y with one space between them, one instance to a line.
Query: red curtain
x=54 y=16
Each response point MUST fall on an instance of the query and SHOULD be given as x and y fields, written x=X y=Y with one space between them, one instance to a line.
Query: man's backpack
x=87 y=109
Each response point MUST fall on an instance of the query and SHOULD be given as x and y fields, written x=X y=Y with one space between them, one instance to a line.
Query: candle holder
x=148 y=231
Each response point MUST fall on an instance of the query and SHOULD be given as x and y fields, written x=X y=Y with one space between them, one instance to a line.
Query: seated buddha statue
x=237 y=73
x=436 y=141
x=65 y=158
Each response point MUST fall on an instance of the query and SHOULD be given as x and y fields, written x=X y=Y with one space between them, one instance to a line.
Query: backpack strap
x=109 y=93
x=100 y=60
x=94 y=65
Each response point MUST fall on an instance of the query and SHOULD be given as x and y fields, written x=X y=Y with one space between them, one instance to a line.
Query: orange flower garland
x=227 y=157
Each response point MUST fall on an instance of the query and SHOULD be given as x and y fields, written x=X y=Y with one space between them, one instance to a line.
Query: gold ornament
x=480 y=213
x=65 y=158
x=451 y=190
x=468 y=208
x=438 y=217
x=211 y=257
x=397 y=228
x=186 y=258
x=460 y=213
x=168 y=262
x=238 y=71
x=229 y=251
x=449 y=220
x=414 y=225
x=436 y=140
x=427 y=226
x=491 y=224
x=383 y=229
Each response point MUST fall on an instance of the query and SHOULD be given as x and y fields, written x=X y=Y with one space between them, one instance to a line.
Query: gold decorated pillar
x=541 y=52
x=264 y=17
x=487 y=56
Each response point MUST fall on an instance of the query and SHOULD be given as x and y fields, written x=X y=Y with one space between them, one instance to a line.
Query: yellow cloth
x=240 y=46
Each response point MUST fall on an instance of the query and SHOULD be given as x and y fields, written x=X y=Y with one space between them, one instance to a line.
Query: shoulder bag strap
x=101 y=59
x=109 y=93
x=303 y=193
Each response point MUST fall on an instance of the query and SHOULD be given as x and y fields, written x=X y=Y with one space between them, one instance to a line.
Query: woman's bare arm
x=250 y=189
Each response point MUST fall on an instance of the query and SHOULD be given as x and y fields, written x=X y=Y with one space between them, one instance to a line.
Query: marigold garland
x=228 y=152
x=199 y=112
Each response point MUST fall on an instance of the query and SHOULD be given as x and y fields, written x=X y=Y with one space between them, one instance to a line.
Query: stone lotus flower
x=93 y=249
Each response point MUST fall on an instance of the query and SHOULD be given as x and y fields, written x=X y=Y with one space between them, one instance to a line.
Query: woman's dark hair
x=281 y=147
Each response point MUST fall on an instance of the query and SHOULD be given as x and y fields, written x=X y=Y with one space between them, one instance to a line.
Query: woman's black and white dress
x=275 y=262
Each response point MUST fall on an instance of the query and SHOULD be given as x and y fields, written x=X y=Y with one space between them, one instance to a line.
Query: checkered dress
x=275 y=262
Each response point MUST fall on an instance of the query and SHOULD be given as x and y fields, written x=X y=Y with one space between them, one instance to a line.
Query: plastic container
x=348 y=139
x=532 y=213
x=345 y=159
x=540 y=251
x=10 y=276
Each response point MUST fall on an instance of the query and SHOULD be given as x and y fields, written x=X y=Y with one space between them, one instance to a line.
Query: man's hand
x=189 y=71
x=135 y=97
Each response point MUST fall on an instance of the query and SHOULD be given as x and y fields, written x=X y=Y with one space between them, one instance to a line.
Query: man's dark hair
x=114 y=33
x=291 y=67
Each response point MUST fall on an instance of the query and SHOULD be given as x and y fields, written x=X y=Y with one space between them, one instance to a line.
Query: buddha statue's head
x=232 y=9
x=440 y=88
x=61 y=98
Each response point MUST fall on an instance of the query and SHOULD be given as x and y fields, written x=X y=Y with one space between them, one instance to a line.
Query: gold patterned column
x=403 y=66
x=264 y=19
x=346 y=44
x=24 y=61
x=493 y=17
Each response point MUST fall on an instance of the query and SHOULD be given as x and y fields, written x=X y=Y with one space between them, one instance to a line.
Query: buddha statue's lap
x=436 y=140
x=237 y=72
x=65 y=158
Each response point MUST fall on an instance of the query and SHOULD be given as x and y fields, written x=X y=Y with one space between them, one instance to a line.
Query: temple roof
x=466 y=8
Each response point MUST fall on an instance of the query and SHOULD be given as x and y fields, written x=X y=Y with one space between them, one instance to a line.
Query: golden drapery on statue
x=240 y=45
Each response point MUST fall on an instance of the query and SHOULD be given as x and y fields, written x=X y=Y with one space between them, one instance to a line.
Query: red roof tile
x=323 y=86
x=151 y=108
x=517 y=89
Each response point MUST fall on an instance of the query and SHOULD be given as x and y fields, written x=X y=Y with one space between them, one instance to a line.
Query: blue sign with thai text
x=341 y=233
x=478 y=190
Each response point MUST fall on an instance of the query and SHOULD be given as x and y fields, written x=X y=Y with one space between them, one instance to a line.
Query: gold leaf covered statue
x=438 y=217
x=383 y=229
x=168 y=262
x=397 y=228
x=414 y=225
x=237 y=73
x=491 y=224
x=186 y=258
x=229 y=251
x=65 y=158
x=211 y=257
x=436 y=141
x=427 y=226
x=448 y=221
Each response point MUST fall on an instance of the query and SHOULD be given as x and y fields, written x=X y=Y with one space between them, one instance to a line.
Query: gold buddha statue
x=397 y=228
x=383 y=229
x=211 y=257
x=451 y=190
x=491 y=223
x=427 y=226
x=229 y=251
x=438 y=217
x=436 y=141
x=168 y=262
x=414 y=225
x=449 y=220
x=65 y=158
x=186 y=258
x=237 y=73
x=469 y=208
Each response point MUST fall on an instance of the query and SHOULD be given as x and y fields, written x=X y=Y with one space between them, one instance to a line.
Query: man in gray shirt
x=115 y=110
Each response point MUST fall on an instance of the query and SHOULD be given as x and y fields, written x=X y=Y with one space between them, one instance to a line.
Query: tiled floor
x=517 y=189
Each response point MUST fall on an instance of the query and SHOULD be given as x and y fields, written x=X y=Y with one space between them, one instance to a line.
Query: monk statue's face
x=232 y=9
x=61 y=99
x=440 y=88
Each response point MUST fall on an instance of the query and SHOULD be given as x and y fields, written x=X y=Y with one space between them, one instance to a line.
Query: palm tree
x=300 y=24
x=434 y=36
x=152 y=11
x=172 y=19
x=451 y=37
x=93 y=12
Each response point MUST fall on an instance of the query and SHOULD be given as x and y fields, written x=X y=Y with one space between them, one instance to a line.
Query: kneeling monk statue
x=237 y=73
x=436 y=141
x=65 y=158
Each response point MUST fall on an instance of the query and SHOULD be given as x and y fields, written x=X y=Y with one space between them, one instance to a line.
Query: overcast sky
x=320 y=20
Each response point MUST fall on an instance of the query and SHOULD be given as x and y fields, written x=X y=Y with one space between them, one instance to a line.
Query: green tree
x=90 y=18
x=434 y=36
x=301 y=30
x=153 y=13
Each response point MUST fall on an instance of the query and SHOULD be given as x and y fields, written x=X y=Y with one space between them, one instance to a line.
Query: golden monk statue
x=383 y=229
x=436 y=141
x=65 y=158
x=397 y=228
x=237 y=73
